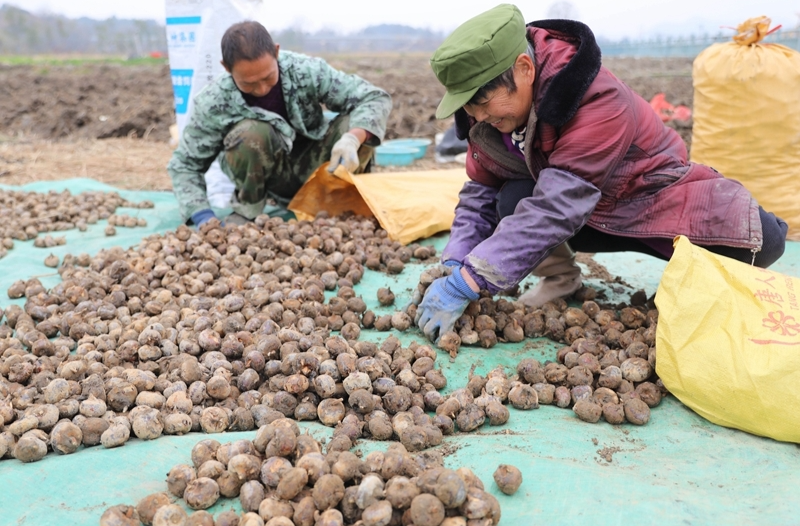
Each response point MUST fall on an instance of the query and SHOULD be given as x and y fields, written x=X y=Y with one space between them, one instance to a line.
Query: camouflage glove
x=345 y=152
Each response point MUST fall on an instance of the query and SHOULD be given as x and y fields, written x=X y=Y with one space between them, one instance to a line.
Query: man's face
x=256 y=77
x=504 y=110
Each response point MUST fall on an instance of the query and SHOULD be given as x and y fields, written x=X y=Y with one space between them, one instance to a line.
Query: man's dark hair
x=503 y=80
x=247 y=40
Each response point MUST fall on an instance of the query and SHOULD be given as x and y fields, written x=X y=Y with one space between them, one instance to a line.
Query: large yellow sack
x=728 y=341
x=746 y=114
x=408 y=205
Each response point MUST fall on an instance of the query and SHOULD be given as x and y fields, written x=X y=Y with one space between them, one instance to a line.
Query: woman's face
x=504 y=110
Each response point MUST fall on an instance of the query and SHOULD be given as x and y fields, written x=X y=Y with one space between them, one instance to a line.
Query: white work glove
x=345 y=152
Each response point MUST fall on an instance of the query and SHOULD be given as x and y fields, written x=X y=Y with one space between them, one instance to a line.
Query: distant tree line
x=685 y=46
x=24 y=33
x=383 y=37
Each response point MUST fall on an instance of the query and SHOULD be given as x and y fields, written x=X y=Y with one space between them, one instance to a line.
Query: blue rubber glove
x=198 y=218
x=444 y=302
x=417 y=298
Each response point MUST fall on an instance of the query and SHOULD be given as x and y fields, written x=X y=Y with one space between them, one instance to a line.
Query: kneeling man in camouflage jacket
x=263 y=120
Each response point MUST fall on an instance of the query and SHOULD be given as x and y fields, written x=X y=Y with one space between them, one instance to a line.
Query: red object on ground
x=156 y=54
x=667 y=111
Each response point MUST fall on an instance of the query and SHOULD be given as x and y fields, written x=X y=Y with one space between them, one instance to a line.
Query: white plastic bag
x=194 y=31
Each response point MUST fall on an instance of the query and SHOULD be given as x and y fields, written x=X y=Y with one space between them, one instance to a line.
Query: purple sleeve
x=560 y=205
x=476 y=219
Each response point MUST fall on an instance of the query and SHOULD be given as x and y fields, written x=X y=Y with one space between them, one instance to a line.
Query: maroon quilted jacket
x=600 y=156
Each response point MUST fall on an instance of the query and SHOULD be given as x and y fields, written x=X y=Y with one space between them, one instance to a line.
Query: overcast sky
x=609 y=18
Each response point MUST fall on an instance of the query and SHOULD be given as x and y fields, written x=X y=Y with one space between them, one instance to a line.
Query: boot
x=237 y=219
x=560 y=277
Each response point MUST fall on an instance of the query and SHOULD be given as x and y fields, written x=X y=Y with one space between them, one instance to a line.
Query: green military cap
x=478 y=50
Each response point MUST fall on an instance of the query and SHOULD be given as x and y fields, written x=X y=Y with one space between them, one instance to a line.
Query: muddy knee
x=251 y=142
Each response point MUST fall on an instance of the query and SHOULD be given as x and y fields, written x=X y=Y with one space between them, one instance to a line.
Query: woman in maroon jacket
x=560 y=151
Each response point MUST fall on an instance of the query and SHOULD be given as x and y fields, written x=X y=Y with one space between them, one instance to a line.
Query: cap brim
x=451 y=102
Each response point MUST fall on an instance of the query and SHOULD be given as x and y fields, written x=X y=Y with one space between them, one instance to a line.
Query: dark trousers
x=260 y=168
x=588 y=239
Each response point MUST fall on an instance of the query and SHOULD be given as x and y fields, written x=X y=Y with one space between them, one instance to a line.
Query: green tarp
x=677 y=469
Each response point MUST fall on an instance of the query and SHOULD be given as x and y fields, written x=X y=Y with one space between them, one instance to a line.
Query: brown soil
x=596 y=270
x=90 y=101
x=111 y=122
x=130 y=164
x=607 y=453
x=448 y=449
x=650 y=76
x=414 y=89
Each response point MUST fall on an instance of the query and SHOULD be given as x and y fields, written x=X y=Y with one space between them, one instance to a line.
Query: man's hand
x=444 y=302
x=345 y=152
x=198 y=218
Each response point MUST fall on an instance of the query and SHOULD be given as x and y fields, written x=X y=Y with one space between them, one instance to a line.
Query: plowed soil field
x=111 y=122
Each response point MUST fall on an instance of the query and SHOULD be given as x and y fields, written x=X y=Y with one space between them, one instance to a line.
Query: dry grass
x=130 y=164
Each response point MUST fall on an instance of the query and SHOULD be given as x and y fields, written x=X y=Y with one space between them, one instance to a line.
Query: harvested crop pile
x=24 y=215
x=607 y=370
x=213 y=330
x=285 y=478
x=226 y=328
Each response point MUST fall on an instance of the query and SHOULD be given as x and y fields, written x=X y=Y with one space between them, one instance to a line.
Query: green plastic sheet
x=677 y=469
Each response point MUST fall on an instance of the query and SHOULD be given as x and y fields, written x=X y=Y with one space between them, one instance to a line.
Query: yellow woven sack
x=728 y=341
x=408 y=205
x=747 y=117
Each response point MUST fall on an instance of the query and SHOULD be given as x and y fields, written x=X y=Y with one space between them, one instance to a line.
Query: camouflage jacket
x=306 y=82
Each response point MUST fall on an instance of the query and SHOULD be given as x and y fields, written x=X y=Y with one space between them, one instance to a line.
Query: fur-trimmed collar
x=563 y=95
